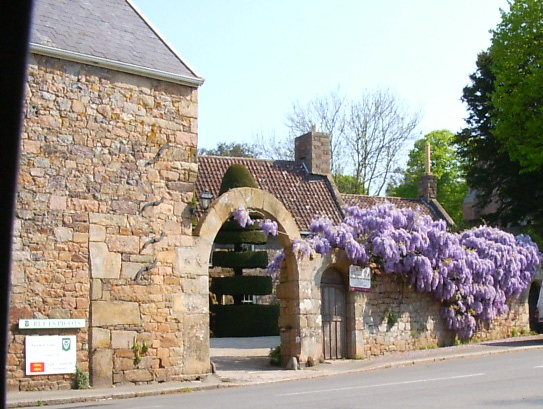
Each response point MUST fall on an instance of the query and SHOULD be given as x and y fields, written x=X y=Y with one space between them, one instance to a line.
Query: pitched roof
x=399 y=202
x=304 y=195
x=109 y=33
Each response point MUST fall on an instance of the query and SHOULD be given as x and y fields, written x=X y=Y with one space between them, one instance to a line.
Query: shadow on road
x=243 y=363
x=511 y=343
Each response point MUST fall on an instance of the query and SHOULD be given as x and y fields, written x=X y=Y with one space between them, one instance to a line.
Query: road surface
x=513 y=380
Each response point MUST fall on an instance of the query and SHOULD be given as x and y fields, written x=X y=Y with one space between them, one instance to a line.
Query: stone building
x=104 y=233
x=107 y=174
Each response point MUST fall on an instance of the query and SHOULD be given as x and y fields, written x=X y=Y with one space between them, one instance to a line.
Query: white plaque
x=50 y=354
x=359 y=278
x=51 y=323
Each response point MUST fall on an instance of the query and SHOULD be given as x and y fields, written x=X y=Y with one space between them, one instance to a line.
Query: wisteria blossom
x=472 y=273
x=242 y=216
x=268 y=227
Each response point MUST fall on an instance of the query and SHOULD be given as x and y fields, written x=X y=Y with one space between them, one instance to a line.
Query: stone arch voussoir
x=221 y=209
x=288 y=290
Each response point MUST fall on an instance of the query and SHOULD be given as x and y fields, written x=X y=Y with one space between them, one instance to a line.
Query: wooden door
x=333 y=311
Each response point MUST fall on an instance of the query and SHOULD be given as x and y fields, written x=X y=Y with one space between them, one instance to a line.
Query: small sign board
x=51 y=354
x=51 y=323
x=359 y=278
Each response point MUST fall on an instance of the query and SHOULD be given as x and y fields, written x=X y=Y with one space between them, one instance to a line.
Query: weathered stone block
x=169 y=340
x=138 y=375
x=96 y=289
x=57 y=202
x=129 y=269
x=100 y=338
x=108 y=219
x=63 y=234
x=104 y=264
x=168 y=257
x=114 y=313
x=101 y=369
x=123 y=244
x=122 y=339
x=97 y=233
x=191 y=260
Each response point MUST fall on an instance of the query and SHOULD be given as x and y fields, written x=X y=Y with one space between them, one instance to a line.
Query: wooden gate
x=333 y=311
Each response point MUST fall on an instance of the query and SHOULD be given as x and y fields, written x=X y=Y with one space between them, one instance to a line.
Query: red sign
x=37 y=367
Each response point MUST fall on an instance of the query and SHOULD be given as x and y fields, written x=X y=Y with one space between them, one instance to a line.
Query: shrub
x=81 y=379
x=240 y=259
x=246 y=320
x=241 y=285
x=235 y=176
x=275 y=356
x=239 y=237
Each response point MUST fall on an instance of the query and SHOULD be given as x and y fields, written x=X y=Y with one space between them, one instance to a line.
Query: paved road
x=510 y=381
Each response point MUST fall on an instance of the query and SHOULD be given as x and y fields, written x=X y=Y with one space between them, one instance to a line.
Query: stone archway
x=288 y=289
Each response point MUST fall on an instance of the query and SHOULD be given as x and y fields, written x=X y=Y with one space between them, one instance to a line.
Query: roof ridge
x=382 y=197
x=247 y=158
x=111 y=34
x=163 y=39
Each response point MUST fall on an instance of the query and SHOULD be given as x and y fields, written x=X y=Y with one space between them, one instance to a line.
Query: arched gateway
x=288 y=289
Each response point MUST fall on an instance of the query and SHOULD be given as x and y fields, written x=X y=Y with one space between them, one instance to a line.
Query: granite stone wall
x=107 y=175
x=391 y=317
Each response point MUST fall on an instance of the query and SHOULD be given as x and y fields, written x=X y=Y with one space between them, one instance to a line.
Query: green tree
x=489 y=169
x=445 y=165
x=349 y=184
x=234 y=150
x=517 y=64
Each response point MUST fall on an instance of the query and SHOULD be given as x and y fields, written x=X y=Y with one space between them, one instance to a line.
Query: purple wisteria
x=471 y=273
x=268 y=227
x=241 y=215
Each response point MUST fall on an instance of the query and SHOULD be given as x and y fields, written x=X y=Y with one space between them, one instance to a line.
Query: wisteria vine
x=472 y=273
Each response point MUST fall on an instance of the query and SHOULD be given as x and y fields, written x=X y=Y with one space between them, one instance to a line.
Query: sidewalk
x=249 y=366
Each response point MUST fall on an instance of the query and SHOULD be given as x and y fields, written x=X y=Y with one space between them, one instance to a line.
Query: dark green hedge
x=247 y=320
x=240 y=259
x=233 y=225
x=236 y=237
x=241 y=285
x=237 y=175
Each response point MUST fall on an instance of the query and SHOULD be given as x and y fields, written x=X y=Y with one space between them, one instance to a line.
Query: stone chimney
x=428 y=182
x=313 y=149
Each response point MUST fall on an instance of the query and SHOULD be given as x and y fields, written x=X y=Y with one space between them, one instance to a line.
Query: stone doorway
x=334 y=315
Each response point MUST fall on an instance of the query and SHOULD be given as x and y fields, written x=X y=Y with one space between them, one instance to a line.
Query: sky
x=260 y=57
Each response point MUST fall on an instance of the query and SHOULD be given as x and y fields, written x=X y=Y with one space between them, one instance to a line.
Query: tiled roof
x=399 y=202
x=304 y=195
x=111 y=30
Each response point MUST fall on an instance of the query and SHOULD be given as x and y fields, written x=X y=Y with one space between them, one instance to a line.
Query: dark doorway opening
x=533 y=297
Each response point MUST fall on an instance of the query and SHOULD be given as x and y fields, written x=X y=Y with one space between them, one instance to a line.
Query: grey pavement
x=243 y=362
